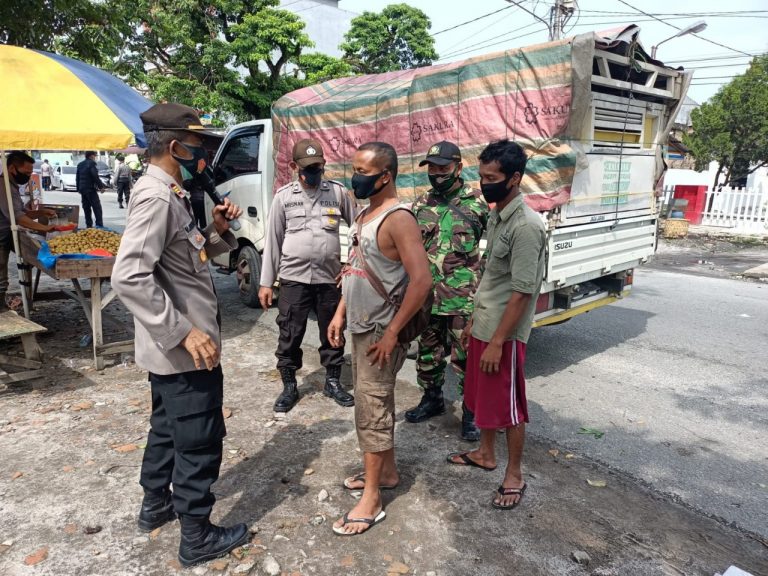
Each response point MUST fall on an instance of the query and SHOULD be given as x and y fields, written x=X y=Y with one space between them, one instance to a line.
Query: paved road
x=114 y=218
x=676 y=375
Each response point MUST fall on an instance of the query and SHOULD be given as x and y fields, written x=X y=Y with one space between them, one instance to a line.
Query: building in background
x=677 y=154
x=326 y=23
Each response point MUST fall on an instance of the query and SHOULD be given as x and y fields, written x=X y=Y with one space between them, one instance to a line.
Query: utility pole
x=559 y=15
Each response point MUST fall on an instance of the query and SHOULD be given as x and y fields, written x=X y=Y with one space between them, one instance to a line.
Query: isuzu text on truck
x=592 y=111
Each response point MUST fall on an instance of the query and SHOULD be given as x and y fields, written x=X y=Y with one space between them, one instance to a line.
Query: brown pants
x=374 y=394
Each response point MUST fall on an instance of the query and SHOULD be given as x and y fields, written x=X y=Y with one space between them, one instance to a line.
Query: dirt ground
x=71 y=446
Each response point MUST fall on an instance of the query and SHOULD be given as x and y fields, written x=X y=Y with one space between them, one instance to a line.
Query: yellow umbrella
x=51 y=102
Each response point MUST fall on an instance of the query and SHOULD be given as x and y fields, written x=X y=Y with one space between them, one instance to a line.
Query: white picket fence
x=738 y=209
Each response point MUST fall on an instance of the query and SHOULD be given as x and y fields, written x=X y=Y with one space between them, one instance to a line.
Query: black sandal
x=509 y=492
x=467 y=461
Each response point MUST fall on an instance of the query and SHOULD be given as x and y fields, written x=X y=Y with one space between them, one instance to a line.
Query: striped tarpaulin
x=522 y=94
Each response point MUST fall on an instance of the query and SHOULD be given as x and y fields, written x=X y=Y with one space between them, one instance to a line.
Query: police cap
x=170 y=116
x=307 y=152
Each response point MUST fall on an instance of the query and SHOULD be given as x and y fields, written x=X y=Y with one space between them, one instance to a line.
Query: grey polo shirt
x=513 y=262
x=161 y=273
x=303 y=242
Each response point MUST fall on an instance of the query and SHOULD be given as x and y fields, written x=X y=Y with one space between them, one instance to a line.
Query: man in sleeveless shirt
x=390 y=242
x=303 y=250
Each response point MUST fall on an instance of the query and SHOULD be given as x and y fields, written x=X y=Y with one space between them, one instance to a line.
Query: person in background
x=46 y=171
x=20 y=167
x=89 y=186
x=162 y=276
x=386 y=240
x=452 y=216
x=303 y=251
x=505 y=303
x=122 y=180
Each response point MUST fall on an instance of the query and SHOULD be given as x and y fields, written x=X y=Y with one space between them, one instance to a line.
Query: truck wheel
x=248 y=270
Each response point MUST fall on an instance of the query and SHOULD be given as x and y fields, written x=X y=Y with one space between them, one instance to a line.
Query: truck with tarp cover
x=593 y=113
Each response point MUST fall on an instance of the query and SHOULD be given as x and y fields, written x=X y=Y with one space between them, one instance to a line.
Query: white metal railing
x=739 y=209
x=743 y=209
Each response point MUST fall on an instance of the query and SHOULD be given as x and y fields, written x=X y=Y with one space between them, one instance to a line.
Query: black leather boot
x=290 y=394
x=201 y=540
x=432 y=404
x=469 y=431
x=333 y=388
x=156 y=510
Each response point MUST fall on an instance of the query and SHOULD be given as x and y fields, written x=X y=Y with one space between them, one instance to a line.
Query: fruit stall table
x=98 y=272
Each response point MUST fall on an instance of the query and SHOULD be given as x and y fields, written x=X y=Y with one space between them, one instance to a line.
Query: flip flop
x=467 y=461
x=360 y=477
x=509 y=492
x=339 y=530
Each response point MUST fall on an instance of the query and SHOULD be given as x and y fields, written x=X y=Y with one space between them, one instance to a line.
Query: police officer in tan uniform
x=161 y=274
x=303 y=251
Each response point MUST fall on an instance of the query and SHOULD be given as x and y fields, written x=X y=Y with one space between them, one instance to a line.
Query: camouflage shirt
x=452 y=243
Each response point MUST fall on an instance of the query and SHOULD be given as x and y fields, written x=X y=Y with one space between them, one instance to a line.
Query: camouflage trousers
x=442 y=336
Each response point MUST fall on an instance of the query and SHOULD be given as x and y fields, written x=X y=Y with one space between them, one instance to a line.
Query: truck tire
x=248 y=270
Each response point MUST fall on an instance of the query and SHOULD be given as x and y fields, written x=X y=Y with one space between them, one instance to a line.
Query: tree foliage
x=732 y=128
x=79 y=28
x=397 y=38
x=234 y=57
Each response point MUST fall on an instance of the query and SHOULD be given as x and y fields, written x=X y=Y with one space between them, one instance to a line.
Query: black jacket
x=87 y=177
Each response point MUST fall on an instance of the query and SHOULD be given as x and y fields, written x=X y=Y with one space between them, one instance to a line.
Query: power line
x=627 y=4
x=597 y=13
x=455 y=47
x=718 y=66
x=486 y=44
x=710 y=58
x=495 y=43
x=473 y=20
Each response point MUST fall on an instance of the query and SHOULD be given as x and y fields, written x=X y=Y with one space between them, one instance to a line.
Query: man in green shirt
x=505 y=303
x=452 y=217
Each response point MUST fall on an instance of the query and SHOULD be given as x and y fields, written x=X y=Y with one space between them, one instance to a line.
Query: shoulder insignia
x=176 y=189
x=337 y=183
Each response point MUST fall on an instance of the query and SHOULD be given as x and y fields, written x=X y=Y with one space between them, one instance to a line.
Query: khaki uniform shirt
x=513 y=262
x=303 y=242
x=161 y=273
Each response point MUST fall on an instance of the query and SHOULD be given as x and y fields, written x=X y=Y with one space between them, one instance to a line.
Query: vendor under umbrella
x=20 y=167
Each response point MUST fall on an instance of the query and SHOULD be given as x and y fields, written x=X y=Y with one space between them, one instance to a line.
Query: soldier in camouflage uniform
x=452 y=217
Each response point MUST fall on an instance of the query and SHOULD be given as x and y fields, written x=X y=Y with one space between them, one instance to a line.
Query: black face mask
x=20 y=178
x=442 y=183
x=365 y=186
x=495 y=192
x=312 y=175
x=197 y=163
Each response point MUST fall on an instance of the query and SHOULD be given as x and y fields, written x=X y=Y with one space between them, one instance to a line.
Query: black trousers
x=123 y=189
x=184 y=444
x=294 y=305
x=91 y=201
x=46 y=182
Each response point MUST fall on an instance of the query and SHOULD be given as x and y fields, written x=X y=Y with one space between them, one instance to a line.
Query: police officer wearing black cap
x=161 y=274
x=303 y=251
